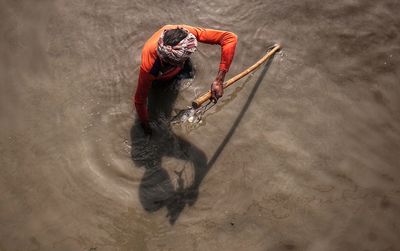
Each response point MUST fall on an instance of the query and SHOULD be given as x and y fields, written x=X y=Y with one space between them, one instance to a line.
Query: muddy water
x=302 y=155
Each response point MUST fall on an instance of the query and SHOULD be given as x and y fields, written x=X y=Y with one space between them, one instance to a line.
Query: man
x=165 y=53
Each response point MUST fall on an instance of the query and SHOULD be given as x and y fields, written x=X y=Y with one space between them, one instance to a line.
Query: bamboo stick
x=206 y=96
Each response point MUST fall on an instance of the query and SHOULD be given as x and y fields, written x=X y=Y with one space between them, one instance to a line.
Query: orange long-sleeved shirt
x=151 y=64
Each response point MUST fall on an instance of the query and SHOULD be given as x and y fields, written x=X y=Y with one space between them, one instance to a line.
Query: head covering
x=177 y=54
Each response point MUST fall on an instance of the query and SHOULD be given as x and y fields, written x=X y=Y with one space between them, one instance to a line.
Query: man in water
x=164 y=56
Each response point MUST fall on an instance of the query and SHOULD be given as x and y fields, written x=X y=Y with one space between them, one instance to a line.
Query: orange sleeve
x=142 y=91
x=227 y=40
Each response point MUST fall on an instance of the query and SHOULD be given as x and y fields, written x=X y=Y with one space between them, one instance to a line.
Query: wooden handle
x=206 y=96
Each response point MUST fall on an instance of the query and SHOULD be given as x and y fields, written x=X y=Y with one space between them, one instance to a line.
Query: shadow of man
x=173 y=187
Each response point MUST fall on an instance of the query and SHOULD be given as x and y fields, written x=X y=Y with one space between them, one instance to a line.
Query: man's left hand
x=217 y=87
x=217 y=90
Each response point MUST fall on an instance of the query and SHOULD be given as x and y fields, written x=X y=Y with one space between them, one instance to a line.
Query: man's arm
x=227 y=40
x=141 y=94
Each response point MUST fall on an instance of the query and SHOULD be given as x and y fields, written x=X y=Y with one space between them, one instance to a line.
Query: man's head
x=176 y=45
x=174 y=36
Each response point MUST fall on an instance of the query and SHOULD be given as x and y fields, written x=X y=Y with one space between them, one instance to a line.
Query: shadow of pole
x=240 y=116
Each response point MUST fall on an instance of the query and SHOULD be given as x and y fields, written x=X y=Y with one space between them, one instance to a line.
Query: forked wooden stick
x=206 y=96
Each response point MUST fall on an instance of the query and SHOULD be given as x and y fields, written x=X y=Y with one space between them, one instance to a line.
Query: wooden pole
x=206 y=96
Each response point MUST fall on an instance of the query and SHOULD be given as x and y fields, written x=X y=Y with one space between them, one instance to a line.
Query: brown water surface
x=302 y=155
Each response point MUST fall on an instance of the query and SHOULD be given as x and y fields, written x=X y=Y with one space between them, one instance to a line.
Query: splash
x=191 y=115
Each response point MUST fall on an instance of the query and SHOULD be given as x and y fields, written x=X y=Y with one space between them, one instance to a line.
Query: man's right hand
x=146 y=128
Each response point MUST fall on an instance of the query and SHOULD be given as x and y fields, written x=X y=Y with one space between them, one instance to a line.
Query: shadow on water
x=159 y=186
x=240 y=115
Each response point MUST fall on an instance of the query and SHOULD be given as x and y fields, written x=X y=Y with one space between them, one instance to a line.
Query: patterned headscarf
x=177 y=54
